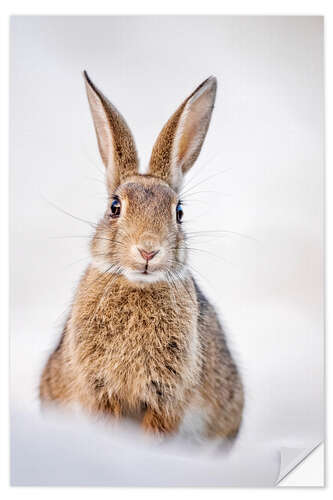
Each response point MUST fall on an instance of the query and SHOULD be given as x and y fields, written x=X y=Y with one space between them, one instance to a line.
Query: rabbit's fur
x=141 y=339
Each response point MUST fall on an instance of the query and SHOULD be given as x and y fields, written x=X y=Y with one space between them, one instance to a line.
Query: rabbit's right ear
x=115 y=141
x=179 y=144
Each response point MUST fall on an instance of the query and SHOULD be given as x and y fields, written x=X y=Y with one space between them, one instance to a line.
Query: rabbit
x=141 y=339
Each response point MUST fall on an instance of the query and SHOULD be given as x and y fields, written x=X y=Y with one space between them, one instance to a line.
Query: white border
x=68 y=7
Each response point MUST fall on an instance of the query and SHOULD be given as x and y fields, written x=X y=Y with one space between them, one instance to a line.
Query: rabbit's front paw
x=159 y=423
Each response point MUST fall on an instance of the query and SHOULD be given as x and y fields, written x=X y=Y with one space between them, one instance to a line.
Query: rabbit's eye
x=115 y=208
x=179 y=212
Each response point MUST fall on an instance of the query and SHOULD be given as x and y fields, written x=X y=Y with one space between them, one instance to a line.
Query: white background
x=265 y=141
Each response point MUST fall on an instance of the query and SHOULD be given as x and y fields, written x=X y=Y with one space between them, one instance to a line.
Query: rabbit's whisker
x=113 y=266
x=206 y=191
x=203 y=181
x=201 y=165
x=222 y=259
x=191 y=268
x=92 y=224
x=220 y=232
x=204 y=251
x=77 y=261
x=89 y=237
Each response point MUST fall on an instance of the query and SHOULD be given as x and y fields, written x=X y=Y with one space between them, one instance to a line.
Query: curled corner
x=291 y=457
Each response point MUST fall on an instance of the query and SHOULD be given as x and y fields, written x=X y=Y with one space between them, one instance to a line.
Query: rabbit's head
x=140 y=235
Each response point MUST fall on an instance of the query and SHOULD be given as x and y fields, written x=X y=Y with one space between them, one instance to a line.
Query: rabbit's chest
x=142 y=347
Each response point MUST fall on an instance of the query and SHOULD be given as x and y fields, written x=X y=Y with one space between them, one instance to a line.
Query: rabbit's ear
x=179 y=144
x=115 y=141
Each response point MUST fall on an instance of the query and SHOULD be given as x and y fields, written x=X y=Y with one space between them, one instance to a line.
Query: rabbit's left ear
x=115 y=141
x=180 y=141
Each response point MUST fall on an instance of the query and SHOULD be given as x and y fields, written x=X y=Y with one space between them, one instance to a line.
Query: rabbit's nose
x=148 y=255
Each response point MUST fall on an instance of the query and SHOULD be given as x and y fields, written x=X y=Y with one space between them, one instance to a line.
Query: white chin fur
x=136 y=276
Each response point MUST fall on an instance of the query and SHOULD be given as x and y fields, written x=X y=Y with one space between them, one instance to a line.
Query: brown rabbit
x=141 y=339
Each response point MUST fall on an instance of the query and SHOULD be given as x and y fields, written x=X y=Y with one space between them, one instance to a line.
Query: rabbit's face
x=141 y=233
